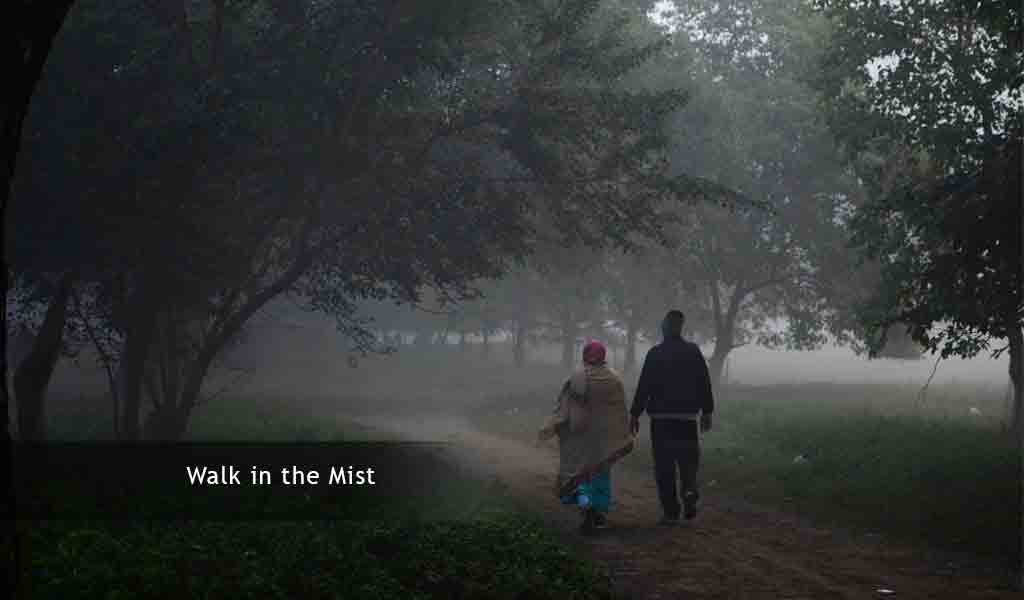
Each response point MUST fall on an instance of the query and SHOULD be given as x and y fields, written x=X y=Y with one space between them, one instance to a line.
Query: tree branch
x=105 y=358
x=766 y=283
x=364 y=76
x=217 y=44
x=922 y=394
x=716 y=304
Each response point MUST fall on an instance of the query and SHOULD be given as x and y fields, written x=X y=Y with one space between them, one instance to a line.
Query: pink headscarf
x=593 y=353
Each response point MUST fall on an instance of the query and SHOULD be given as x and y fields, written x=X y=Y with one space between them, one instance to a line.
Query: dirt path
x=729 y=551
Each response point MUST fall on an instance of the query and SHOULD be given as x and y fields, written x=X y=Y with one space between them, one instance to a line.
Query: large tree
x=756 y=273
x=332 y=152
x=927 y=98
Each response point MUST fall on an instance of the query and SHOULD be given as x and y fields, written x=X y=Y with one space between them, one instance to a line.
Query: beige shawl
x=592 y=425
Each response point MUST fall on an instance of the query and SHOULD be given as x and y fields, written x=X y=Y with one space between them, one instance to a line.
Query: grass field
x=868 y=461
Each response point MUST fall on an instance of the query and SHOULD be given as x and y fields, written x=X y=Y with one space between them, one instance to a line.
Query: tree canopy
x=939 y=86
x=926 y=98
x=759 y=272
x=205 y=162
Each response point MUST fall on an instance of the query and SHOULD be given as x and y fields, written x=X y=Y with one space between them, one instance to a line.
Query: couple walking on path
x=594 y=429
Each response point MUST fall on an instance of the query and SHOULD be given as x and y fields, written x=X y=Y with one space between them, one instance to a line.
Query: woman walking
x=592 y=425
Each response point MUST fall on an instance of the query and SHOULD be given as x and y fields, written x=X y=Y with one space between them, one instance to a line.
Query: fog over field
x=301 y=355
x=840 y=365
x=750 y=364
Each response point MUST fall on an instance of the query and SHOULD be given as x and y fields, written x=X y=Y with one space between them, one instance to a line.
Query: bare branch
x=105 y=359
x=238 y=378
x=923 y=393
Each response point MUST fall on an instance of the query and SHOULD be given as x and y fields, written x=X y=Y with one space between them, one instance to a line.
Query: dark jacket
x=674 y=380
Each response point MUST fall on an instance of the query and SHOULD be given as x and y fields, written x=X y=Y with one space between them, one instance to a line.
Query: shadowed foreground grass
x=500 y=556
x=468 y=541
x=948 y=482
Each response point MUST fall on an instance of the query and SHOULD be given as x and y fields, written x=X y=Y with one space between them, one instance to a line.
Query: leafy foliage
x=927 y=97
x=335 y=152
x=760 y=272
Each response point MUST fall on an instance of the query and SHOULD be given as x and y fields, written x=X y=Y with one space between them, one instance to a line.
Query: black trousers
x=675 y=445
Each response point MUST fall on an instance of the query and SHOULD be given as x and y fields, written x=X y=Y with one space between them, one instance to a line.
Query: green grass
x=946 y=483
x=267 y=419
x=943 y=481
x=469 y=540
x=498 y=556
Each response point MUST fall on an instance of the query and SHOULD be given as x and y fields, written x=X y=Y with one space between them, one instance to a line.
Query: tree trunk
x=631 y=334
x=27 y=43
x=137 y=344
x=1016 y=371
x=519 y=350
x=1016 y=352
x=1018 y=390
x=725 y=328
x=716 y=363
x=167 y=423
x=19 y=345
x=33 y=374
x=568 y=340
x=1017 y=416
x=1017 y=191
x=169 y=417
x=14 y=545
x=568 y=350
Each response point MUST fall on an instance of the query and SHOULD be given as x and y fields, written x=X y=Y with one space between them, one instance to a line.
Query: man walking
x=675 y=390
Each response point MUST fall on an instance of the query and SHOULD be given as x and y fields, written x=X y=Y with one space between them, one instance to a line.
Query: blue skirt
x=596 y=493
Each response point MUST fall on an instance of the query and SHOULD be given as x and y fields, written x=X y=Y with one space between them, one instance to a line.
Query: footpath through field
x=732 y=550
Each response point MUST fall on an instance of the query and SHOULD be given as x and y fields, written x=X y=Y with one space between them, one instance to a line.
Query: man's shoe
x=690 y=505
x=588 y=524
x=669 y=521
